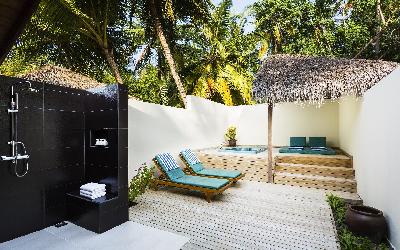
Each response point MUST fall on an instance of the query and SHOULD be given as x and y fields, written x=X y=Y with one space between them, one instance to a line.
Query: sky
x=238 y=5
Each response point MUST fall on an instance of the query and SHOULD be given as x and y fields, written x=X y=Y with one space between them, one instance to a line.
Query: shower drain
x=61 y=224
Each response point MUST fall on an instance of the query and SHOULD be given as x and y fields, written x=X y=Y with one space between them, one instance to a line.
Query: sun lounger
x=195 y=167
x=173 y=176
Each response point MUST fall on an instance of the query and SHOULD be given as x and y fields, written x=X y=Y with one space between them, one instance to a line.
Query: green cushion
x=197 y=167
x=290 y=150
x=175 y=174
x=200 y=181
x=317 y=142
x=220 y=172
x=297 y=141
x=327 y=151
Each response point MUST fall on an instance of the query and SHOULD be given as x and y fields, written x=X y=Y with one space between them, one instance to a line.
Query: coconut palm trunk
x=109 y=54
x=270 y=174
x=167 y=51
x=142 y=56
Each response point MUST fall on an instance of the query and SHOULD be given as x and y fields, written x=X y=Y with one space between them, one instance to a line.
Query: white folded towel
x=93 y=186
x=93 y=196
x=92 y=193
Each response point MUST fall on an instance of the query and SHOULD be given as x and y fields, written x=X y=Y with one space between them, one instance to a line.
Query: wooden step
x=338 y=172
x=319 y=160
x=327 y=183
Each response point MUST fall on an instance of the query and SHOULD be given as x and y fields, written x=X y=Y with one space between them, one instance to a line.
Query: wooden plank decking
x=329 y=172
x=249 y=215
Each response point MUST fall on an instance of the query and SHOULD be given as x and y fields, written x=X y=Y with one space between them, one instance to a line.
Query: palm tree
x=223 y=71
x=157 y=15
x=94 y=20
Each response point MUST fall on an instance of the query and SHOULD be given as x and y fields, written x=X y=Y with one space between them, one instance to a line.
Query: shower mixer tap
x=14 y=103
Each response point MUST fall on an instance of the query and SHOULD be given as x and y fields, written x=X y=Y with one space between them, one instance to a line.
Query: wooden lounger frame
x=190 y=170
x=163 y=180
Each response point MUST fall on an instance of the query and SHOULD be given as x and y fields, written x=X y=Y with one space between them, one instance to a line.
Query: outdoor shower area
x=53 y=139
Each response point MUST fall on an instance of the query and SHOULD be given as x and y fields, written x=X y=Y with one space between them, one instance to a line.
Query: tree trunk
x=160 y=67
x=378 y=29
x=382 y=26
x=142 y=56
x=113 y=65
x=270 y=168
x=167 y=52
x=372 y=40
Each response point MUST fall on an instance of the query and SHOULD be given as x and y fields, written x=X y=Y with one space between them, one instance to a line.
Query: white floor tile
x=129 y=235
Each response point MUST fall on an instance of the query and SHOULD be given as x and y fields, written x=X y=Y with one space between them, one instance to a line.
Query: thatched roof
x=13 y=17
x=62 y=77
x=295 y=78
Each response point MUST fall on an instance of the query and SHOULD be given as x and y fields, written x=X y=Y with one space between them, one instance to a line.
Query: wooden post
x=270 y=110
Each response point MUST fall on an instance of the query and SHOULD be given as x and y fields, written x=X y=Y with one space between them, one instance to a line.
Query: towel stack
x=93 y=190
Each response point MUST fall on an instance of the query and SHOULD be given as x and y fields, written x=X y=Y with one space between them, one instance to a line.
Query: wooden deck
x=249 y=215
x=328 y=172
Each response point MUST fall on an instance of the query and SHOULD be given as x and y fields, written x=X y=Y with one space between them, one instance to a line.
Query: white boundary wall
x=369 y=129
x=154 y=128
x=308 y=120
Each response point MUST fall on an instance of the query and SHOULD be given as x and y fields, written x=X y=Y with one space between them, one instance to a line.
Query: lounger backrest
x=192 y=159
x=169 y=165
x=297 y=141
x=317 y=142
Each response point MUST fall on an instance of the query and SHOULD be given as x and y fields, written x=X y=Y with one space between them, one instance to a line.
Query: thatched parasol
x=62 y=77
x=297 y=78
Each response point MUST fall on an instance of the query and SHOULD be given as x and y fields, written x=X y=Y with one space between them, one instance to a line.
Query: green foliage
x=347 y=240
x=364 y=17
x=222 y=58
x=338 y=206
x=309 y=27
x=139 y=184
x=149 y=87
x=213 y=54
x=160 y=19
x=294 y=26
x=169 y=13
x=231 y=133
x=18 y=64
x=76 y=34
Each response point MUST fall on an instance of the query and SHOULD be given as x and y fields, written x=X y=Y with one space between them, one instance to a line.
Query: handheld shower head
x=30 y=87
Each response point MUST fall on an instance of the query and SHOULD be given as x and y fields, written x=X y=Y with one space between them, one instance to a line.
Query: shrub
x=140 y=183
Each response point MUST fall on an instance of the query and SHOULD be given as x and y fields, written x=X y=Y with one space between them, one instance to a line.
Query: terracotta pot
x=232 y=143
x=366 y=221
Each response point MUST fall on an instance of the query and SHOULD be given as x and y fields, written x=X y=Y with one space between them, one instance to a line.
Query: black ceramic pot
x=366 y=221
x=232 y=143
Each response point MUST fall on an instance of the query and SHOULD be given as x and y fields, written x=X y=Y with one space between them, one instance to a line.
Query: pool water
x=241 y=149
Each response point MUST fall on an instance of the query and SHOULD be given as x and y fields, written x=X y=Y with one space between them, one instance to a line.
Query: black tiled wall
x=54 y=123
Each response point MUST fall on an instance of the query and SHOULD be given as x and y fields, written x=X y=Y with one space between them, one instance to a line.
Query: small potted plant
x=230 y=136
